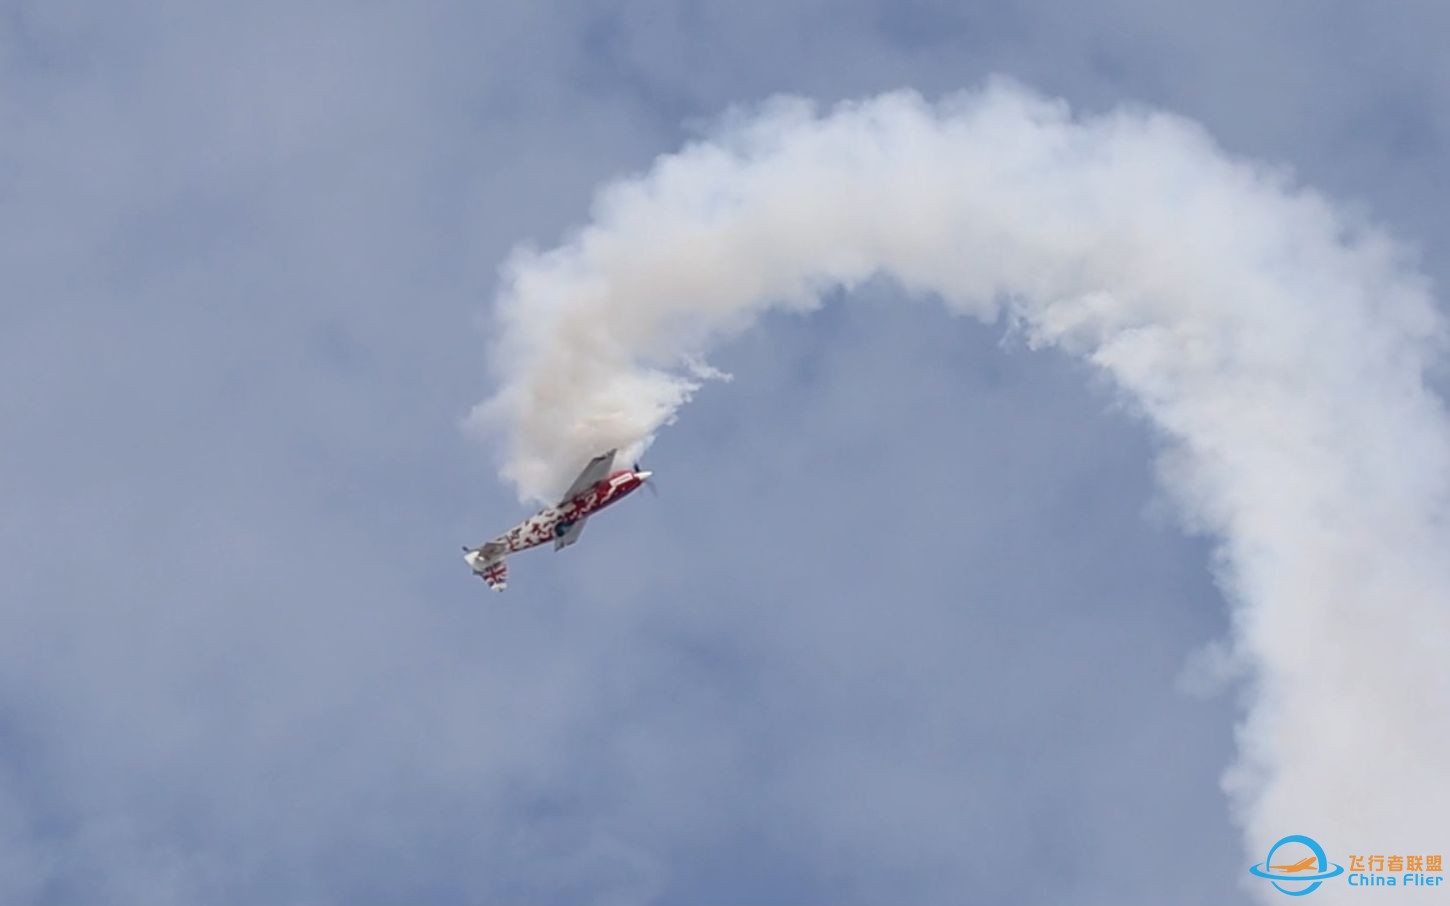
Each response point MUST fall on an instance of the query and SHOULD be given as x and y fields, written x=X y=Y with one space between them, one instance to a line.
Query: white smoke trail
x=1278 y=347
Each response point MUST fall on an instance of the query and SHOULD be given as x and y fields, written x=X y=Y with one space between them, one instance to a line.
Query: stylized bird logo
x=1304 y=864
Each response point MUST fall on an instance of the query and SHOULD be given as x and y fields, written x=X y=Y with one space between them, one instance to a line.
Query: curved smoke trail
x=1277 y=346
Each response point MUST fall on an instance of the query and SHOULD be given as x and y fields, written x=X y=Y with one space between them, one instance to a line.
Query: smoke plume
x=1277 y=345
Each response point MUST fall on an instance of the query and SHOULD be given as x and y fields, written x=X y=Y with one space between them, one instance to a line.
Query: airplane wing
x=571 y=535
x=593 y=473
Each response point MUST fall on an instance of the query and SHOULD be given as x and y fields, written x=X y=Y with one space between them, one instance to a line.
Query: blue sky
x=907 y=623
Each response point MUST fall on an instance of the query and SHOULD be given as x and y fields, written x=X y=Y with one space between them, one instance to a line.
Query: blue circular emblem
x=1322 y=868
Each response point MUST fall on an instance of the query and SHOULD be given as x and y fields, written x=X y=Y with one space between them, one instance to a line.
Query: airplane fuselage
x=551 y=523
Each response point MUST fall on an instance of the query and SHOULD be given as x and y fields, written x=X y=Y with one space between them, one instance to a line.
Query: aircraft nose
x=643 y=476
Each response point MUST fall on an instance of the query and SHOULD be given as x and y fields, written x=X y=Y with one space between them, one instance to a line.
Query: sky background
x=908 y=622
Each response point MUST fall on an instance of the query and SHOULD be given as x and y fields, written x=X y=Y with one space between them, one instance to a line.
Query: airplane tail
x=496 y=575
x=488 y=563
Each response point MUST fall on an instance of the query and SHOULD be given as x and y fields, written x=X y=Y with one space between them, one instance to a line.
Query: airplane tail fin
x=496 y=575
x=488 y=563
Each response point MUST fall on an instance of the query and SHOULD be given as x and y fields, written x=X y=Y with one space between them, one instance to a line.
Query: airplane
x=596 y=488
x=1303 y=864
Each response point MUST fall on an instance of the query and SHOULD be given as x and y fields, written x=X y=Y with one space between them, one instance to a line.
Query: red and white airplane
x=595 y=488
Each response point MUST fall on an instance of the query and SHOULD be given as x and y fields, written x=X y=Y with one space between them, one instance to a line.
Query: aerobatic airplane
x=595 y=488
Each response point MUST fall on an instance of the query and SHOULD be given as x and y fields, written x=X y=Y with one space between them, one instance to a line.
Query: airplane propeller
x=649 y=483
